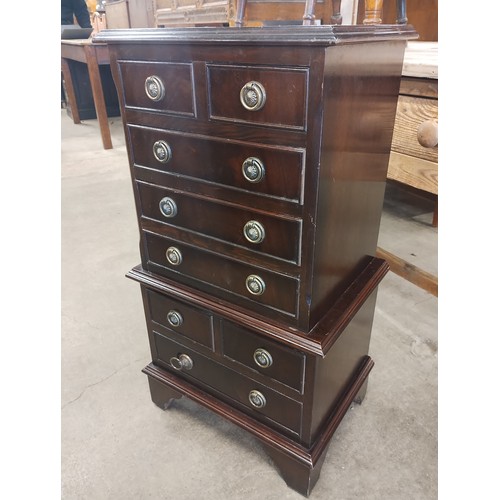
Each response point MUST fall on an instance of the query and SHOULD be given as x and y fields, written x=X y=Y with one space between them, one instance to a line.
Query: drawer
x=262 y=233
x=271 y=171
x=416 y=172
x=411 y=113
x=166 y=87
x=192 y=365
x=264 y=356
x=215 y=274
x=181 y=318
x=270 y=96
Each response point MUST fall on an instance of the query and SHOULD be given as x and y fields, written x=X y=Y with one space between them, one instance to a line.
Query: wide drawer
x=273 y=236
x=270 y=96
x=215 y=274
x=264 y=356
x=181 y=318
x=273 y=171
x=166 y=87
x=267 y=403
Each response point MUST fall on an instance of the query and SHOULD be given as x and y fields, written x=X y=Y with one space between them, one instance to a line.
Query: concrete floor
x=116 y=444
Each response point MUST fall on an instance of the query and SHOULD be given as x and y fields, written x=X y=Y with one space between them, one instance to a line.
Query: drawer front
x=181 y=318
x=273 y=405
x=271 y=171
x=262 y=233
x=420 y=174
x=283 y=92
x=166 y=87
x=267 y=357
x=214 y=273
x=412 y=113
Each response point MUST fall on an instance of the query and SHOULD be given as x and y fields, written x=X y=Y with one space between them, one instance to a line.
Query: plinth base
x=300 y=467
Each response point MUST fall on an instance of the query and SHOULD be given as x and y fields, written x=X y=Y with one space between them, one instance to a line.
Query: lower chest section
x=242 y=363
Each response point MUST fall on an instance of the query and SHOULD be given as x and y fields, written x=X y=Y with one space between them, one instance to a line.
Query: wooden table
x=92 y=55
x=414 y=151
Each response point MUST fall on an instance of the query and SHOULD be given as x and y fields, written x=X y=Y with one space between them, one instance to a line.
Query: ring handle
x=262 y=358
x=174 y=318
x=162 y=151
x=168 y=207
x=257 y=399
x=254 y=232
x=174 y=256
x=181 y=362
x=253 y=96
x=255 y=284
x=154 y=88
x=253 y=169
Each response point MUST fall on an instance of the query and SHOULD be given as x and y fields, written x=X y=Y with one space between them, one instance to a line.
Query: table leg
x=70 y=90
x=98 y=94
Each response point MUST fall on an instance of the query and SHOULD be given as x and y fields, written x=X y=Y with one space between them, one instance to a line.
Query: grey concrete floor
x=116 y=444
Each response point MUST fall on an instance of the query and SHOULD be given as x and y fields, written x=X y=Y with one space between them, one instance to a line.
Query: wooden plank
x=415 y=172
x=409 y=272
x=419 y=87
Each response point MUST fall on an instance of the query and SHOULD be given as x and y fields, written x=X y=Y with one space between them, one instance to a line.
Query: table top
x=421 y=60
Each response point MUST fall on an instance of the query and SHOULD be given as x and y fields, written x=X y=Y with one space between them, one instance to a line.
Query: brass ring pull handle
x=181 y=362
x=168 y=207
x=162 y=151
x=174 y=318
x=257 y=399
x=255 y=284
x=253 y=96
x=427 y=134
x=174 y=256
x=154 y=88
x=254 y=231
x=253 y=169
x=262 y=358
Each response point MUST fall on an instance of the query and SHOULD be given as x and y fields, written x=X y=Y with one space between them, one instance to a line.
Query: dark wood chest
x=258 y=158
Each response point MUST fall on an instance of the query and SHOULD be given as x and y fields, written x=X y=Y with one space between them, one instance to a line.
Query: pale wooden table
x=93 y=55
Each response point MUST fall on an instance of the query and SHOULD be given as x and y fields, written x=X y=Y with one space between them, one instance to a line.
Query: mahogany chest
x=258 y=158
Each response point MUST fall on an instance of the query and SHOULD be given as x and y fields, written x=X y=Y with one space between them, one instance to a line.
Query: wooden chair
x=373 y=12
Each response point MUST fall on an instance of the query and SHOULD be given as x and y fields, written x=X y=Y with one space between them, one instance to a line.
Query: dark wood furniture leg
x=297 y=475
x=162 y=395
x=70 y=90
x=362 y=393
x=98 y=94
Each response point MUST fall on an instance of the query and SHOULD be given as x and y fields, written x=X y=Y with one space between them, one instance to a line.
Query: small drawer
x=267 y=357
x=219 y=275
x=181 y=318
x=412 y=113
x=269 y=96
x=166 y=87
x=262 y=233
x=257 y=398
x=273 y=171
